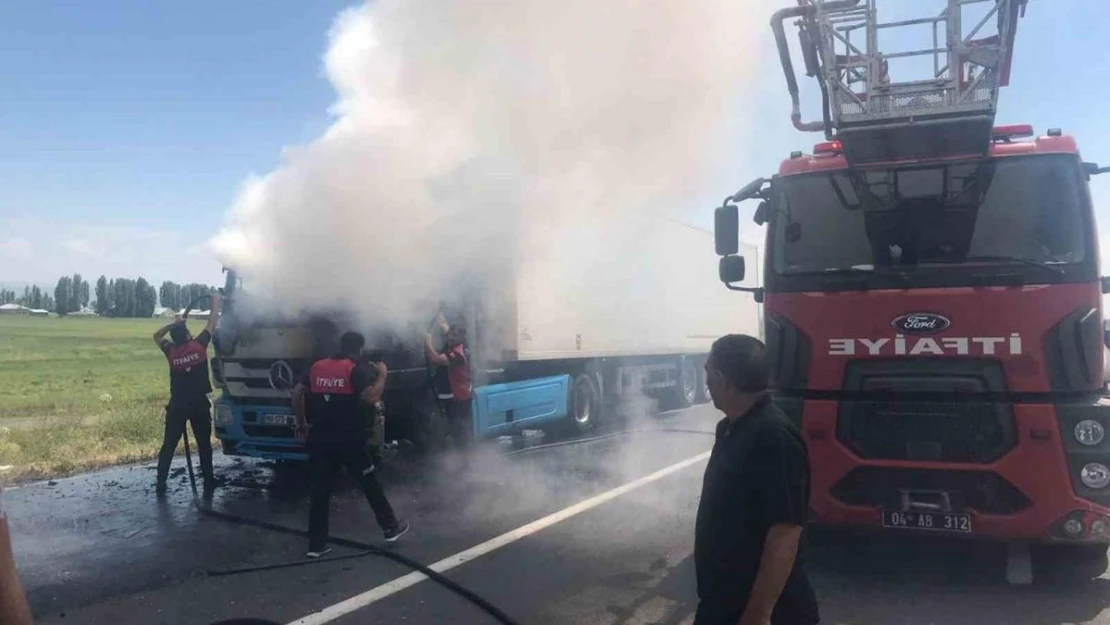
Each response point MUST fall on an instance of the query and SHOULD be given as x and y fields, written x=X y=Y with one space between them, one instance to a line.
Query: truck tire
x=1054 y=563
x=685 y=391
x=584 y=405
x=703 y=386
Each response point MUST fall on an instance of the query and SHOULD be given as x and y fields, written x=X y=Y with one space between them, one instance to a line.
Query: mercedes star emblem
x=281 y=376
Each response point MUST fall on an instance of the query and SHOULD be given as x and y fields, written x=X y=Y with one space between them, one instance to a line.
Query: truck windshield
x=1025 y=214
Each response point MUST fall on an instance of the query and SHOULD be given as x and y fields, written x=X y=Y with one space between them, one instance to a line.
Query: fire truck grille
x=926 y=410
x=958 y=431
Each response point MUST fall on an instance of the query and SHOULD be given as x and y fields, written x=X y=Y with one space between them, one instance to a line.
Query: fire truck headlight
x=224 y=415
x=1095 y=475
x=1089 y=432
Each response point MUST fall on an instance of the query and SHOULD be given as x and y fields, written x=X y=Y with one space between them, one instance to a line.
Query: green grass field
x=78 y=393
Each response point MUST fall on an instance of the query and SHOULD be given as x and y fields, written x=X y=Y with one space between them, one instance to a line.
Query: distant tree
x=103 y=299
x=146 y=298
x=84 y=294
x=75 y=293
x=48 y=302
x=62 y=294
x=192 y=291
x=25 y=299
x=119 y=298
x=36 y=297
x=127 y=288
x=169 y=294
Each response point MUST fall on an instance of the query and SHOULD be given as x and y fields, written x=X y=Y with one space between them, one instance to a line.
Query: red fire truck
x=932 y=298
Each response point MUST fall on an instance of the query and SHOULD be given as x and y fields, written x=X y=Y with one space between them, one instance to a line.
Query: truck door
x=501 y=409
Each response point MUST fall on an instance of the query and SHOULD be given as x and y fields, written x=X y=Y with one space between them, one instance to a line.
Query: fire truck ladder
x=891 y=105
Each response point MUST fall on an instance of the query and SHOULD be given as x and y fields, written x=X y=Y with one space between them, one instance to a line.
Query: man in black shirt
x=329 y=403
x=754 y=500
x=189 y=389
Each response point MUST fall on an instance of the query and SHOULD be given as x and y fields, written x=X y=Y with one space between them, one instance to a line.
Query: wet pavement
x=100 y=548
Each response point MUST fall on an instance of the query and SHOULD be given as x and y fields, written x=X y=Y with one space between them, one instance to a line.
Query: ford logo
x=921 y=323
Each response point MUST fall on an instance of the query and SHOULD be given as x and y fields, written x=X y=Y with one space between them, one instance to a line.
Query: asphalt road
x=541 y=534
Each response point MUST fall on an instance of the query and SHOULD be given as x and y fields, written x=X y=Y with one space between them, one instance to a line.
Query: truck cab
x=260 y=357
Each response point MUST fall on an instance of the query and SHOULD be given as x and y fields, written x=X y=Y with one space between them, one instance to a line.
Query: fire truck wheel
x=1069 y=563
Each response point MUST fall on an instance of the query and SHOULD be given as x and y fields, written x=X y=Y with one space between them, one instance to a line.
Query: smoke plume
x=474 y=135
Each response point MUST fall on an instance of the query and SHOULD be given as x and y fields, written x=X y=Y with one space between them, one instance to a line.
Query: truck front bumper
x=244 y=431
x=1030 y=493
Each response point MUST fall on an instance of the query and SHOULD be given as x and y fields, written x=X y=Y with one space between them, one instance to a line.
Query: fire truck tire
x=1069 y=563
x=585 y=404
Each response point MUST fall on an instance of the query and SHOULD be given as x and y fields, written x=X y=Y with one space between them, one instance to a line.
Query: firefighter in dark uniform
x=456 y=359
x=330 y=405
x=189 y=388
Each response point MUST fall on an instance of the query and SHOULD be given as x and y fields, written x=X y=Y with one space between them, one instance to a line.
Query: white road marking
x=362 y=600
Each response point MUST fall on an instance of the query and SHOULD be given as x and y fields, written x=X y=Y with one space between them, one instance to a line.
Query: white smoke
x=470 y=134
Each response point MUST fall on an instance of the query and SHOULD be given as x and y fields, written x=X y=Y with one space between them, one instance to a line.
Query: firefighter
x=330 y=404
x=457 y=360
x=189 y=388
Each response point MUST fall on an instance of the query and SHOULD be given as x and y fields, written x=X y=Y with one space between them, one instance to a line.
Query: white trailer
x=640 y=323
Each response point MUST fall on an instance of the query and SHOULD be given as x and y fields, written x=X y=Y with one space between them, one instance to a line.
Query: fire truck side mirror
x=731 y=269
x=726 y=230
x=760 y=216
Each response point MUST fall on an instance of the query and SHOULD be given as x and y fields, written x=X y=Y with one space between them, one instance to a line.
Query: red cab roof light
x=827 y=147
x=1012 y=132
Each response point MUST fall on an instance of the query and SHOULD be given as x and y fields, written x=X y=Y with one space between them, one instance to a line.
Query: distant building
x=38 y=312
x=162 y=311
x=13 y=309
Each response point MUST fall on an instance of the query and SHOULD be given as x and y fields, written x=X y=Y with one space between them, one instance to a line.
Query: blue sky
x=126 y=126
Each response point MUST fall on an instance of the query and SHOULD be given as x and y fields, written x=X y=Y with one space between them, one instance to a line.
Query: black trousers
x=197 y=411
x=460 y=423
x=721 y=613
x=325 y=460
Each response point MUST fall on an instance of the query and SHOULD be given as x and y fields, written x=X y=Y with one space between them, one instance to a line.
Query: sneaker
x=316 y=552
x=397 y=531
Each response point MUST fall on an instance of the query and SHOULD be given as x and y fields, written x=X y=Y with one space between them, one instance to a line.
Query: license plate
x=278 y=419
x=931 y=521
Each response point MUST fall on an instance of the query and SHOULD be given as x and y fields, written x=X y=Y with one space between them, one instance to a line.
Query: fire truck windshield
x=934 y=225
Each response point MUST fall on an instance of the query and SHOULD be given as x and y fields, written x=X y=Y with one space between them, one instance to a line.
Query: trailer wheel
x=685 y=391
x=1069 y=563
x=585 y=404
x=703 y=386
